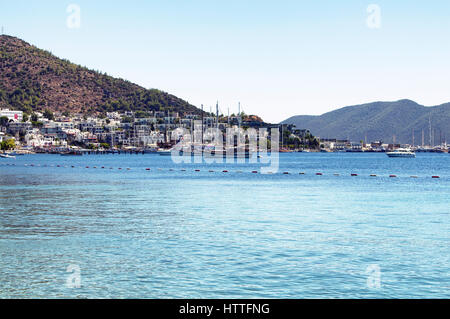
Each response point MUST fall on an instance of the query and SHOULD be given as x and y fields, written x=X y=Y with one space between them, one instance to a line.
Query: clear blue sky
x=278 y=58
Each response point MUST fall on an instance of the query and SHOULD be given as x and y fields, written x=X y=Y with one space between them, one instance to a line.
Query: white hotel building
x=16 y=116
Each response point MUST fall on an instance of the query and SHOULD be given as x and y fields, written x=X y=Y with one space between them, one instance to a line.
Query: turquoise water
x=169 y=233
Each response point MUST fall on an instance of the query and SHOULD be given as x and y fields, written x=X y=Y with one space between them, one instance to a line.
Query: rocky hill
x=32 y=79
x=381 y=121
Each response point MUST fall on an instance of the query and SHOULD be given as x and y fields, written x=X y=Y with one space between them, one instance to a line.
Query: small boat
x=402 y=152
x=73 y=153
x=150 y=150
x=164 y=152
x=7 y=156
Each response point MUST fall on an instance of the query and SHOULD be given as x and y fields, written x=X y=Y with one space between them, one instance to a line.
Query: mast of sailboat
x=423 y=138
x=239 y=116
x=202 y=125
x=429 y=120
x=239 y=123
x=217 y=115
x=135 y=137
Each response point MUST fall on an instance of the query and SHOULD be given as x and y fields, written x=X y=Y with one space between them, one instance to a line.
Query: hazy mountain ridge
x=32 y=79
x=380 y=121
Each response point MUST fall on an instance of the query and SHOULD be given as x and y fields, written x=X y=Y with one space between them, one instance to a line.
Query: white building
x=2 y=135
x=16 y=116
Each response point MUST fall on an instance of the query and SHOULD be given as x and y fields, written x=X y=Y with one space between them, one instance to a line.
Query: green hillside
x=32 y=79
x=381 y=121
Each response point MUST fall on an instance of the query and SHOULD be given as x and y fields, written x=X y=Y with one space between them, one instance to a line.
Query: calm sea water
x=186 y=234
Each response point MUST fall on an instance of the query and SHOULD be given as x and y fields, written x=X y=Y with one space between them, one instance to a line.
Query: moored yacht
x=6 y=156
x=401 y=152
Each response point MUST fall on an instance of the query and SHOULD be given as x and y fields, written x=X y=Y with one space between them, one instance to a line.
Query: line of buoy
x=198 y=170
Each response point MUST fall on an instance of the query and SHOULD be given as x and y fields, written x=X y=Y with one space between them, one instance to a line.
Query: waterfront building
x=19 y=128
x=15 y=116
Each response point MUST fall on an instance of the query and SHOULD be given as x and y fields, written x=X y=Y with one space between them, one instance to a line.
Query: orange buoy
x=225 y=171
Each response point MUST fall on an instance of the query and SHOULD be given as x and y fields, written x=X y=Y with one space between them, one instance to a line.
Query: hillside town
x=50 y=132
x=133 y=131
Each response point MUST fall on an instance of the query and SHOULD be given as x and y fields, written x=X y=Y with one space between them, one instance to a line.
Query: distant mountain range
x=381 y=121
x=32 y=79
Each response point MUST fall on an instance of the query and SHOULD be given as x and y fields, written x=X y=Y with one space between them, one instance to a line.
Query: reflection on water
x=187 y=234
